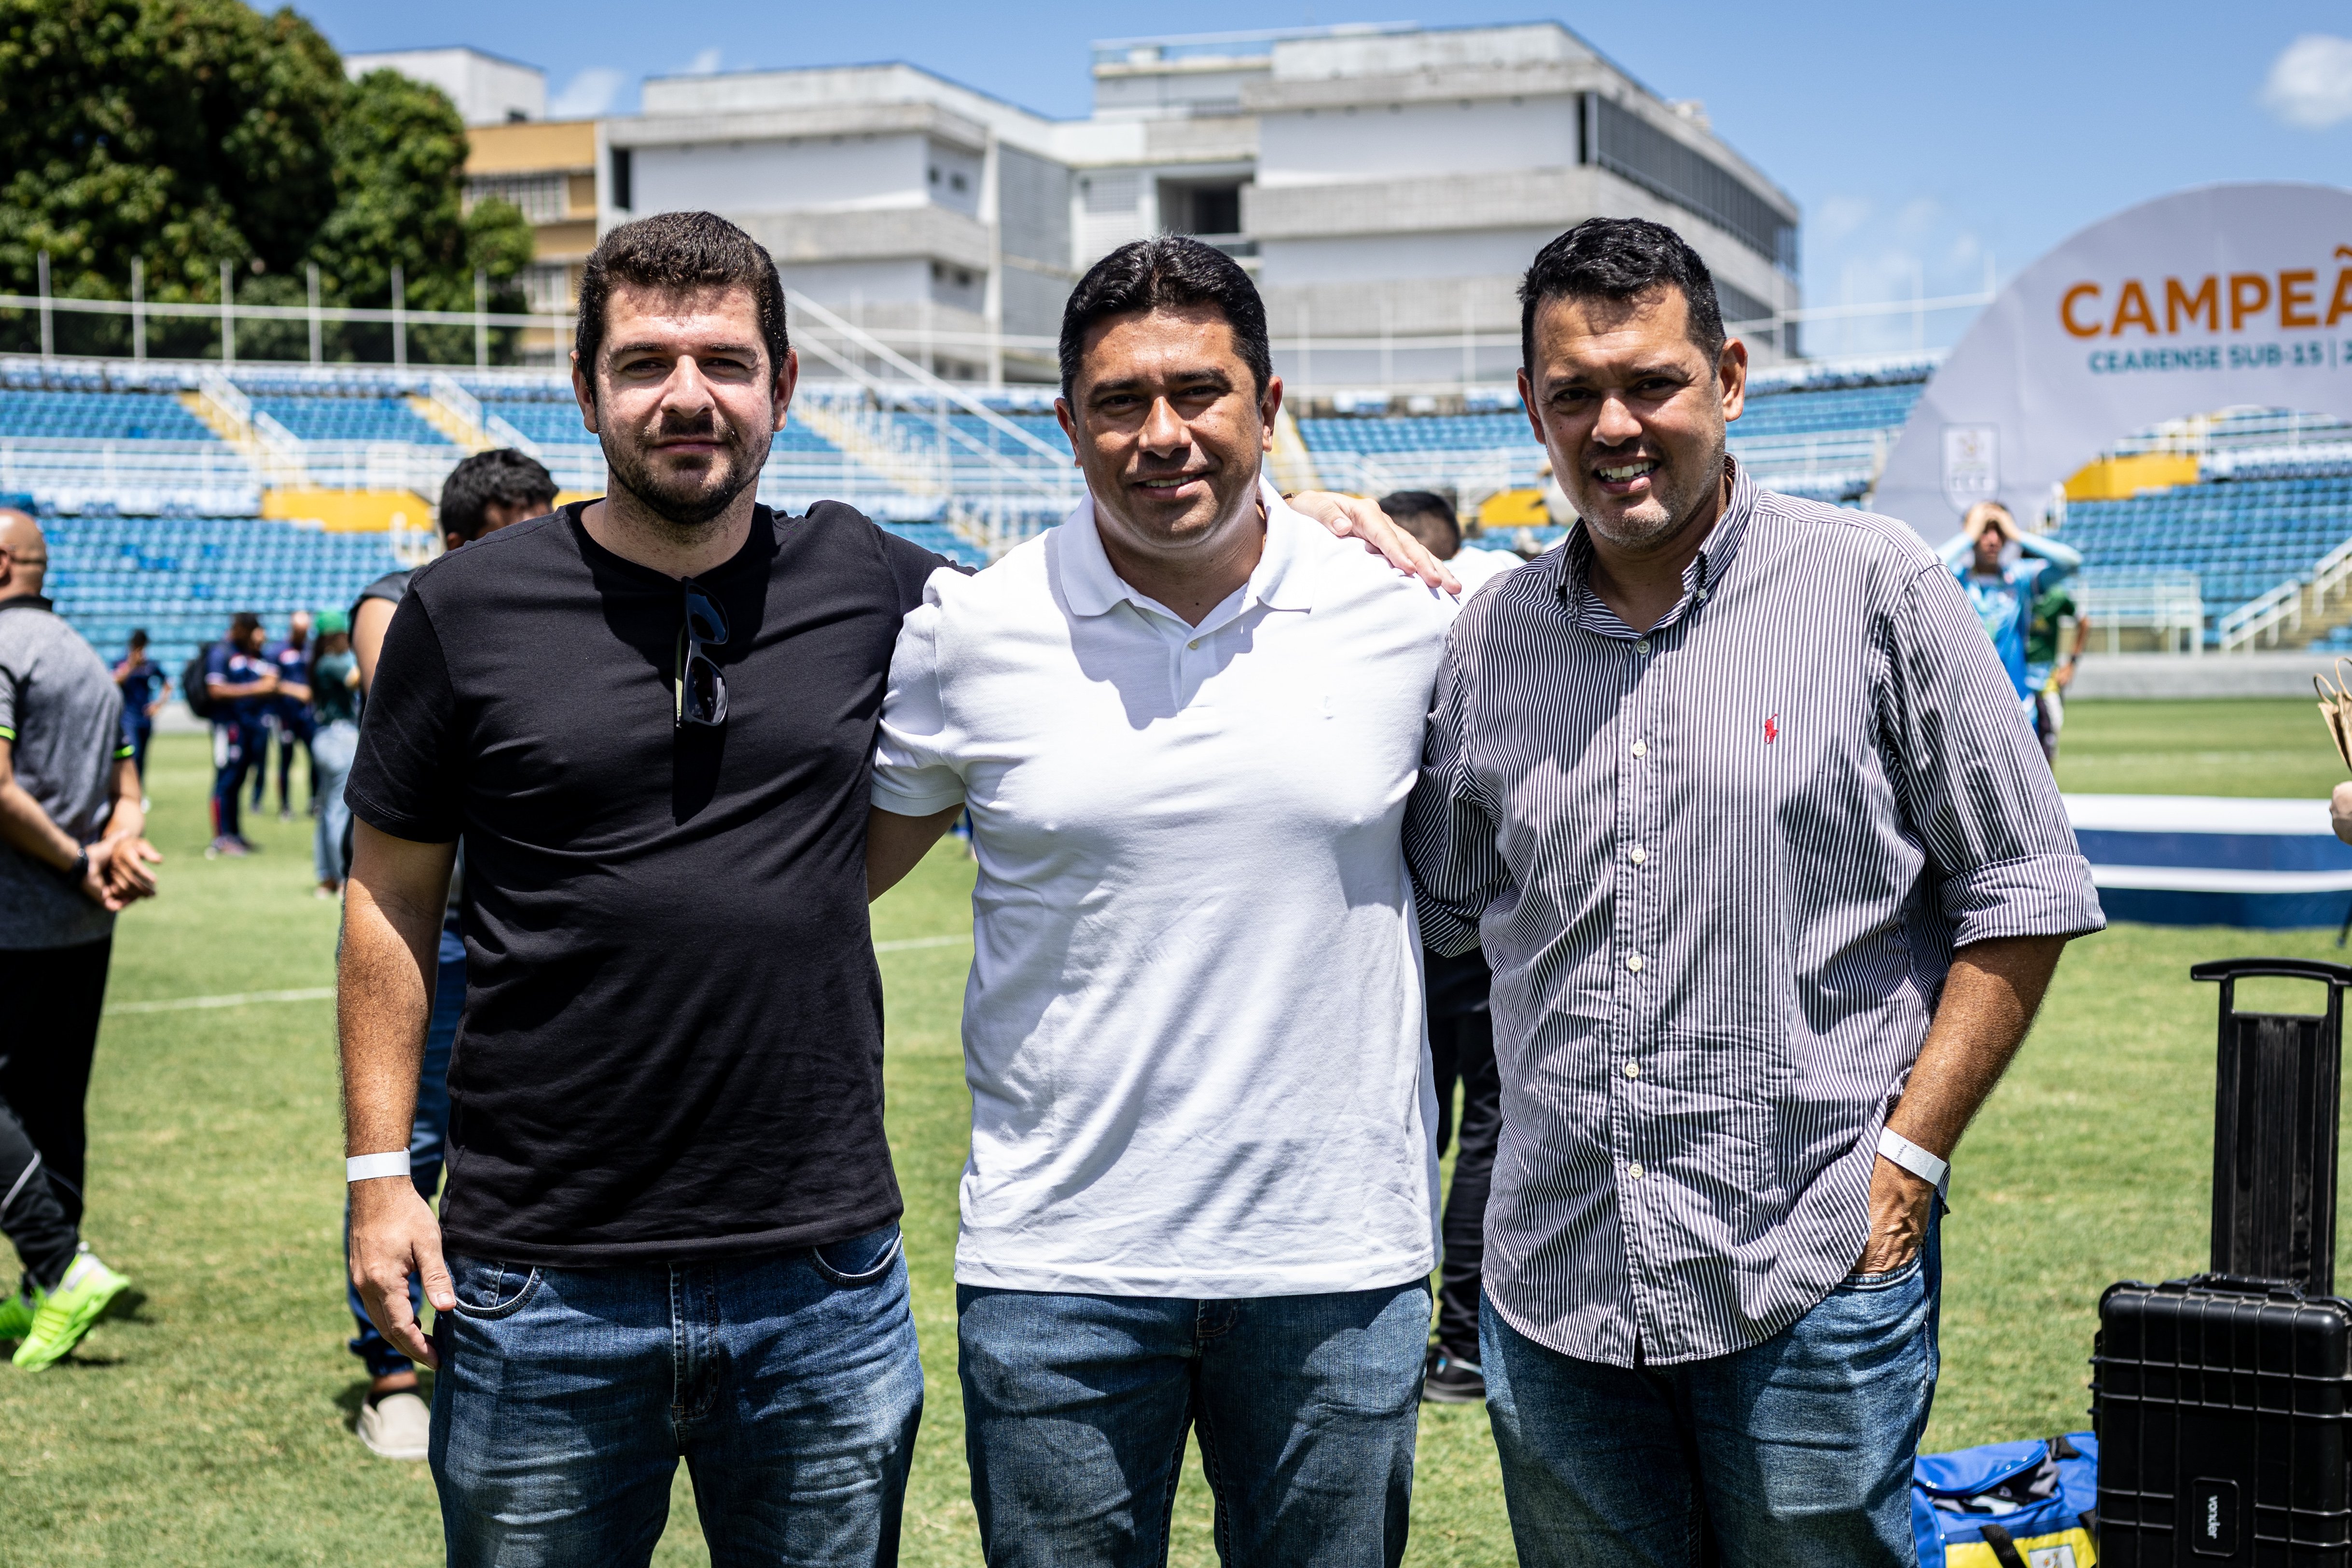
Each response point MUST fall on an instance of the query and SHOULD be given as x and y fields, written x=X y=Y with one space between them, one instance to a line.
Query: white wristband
x=1894 y=1147
x=367 y=1167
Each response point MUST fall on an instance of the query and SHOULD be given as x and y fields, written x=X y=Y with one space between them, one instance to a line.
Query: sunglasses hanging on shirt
x=701 y=690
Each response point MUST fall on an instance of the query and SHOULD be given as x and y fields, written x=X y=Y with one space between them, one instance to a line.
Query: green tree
x=399 y=161
x=178 y=131
x=184 y=133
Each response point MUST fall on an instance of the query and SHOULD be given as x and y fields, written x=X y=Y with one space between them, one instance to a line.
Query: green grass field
x=208 y=1421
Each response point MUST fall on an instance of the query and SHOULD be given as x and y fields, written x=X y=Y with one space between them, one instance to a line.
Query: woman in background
x=335 y=711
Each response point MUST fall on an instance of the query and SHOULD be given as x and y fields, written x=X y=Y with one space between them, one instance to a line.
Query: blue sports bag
x=2009 y=1505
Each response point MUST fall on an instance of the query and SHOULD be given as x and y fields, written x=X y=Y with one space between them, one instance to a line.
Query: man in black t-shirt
x=670 y=1217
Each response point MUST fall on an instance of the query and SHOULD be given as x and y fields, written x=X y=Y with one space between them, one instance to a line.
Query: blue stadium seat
x=180 y=579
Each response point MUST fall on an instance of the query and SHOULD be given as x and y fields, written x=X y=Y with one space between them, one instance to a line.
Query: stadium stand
x=181 y=578
x=153 y=474
x=98 y=416
x=331 y=418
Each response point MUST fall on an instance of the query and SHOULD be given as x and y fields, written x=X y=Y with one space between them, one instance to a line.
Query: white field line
x=324 y=993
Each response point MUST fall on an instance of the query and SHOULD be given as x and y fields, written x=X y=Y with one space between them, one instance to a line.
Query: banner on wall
x=2226 y=295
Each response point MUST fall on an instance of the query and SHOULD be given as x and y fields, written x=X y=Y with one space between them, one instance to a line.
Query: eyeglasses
x=702 y=689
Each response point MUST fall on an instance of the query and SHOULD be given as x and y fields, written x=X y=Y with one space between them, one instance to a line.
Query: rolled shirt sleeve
x=1970 y=778
x=916 y=769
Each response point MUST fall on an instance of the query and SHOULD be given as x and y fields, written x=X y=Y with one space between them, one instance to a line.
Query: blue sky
x=1920 y=140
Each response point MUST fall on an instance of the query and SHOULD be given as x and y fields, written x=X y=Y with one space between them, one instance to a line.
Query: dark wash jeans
x=1791 y=1454
x=790 y=1385
x=1076 y=1407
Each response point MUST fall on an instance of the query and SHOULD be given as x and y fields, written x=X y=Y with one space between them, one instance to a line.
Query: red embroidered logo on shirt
x=1773 y=730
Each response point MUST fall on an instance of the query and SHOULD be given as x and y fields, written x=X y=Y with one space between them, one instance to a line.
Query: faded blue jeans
x=1075 y=1411
x=789 y=1386
x=1789 y=1454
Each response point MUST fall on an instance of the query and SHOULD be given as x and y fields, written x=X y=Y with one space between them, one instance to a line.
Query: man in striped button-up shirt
x=1734 y=790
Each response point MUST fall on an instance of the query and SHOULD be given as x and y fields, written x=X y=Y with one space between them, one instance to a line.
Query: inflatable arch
x=2218 y=296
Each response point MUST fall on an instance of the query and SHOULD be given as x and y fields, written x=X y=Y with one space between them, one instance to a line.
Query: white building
x=1386 y=186
x=488 y=91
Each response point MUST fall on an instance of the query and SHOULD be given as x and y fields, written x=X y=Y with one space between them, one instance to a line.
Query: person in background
x=2002 y=590
x=2046 y=672
x=145 y=689
x=291 y=717
x=334 y=682
x=1429 y=517
x=73 y=853
x=241 y=681
x=485 y=493
x=1461 y=1039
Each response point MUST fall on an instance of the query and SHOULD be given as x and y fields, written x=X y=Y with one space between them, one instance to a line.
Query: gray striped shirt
x=1719 y=871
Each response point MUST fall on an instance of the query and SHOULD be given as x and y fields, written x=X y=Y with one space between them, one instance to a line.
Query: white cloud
x=2310 y=84
x=703 y=64
x=591 y=92
x=1840 y=215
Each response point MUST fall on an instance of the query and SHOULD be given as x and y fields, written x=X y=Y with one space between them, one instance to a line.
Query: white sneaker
x=397 y=1427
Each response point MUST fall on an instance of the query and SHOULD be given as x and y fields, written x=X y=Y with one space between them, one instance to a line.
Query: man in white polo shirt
x=1202 y=1183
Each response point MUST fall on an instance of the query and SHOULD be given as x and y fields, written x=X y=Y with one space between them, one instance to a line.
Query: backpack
x=2009 y=1505
x=194 y=691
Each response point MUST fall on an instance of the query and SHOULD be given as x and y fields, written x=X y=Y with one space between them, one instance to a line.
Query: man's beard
x=692 y=499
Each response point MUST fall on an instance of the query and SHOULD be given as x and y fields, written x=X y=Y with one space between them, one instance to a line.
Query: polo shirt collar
x=1705 y=569
x=25 y=602
x=1281 y=580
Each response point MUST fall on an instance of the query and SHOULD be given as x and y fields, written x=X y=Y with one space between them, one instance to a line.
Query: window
x=547 y=286
x=956 y=181
x=935 y=177
x=1622 y=142
x=542 y=198
x=621 y=170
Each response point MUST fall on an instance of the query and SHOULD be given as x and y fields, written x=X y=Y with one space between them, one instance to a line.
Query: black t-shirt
x=672 y=1040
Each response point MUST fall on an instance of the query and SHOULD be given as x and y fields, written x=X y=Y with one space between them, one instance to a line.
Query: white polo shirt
x=1194 y=1025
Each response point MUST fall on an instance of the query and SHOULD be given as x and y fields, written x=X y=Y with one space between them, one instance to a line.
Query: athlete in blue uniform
x=2004 y=595
x=291 y=717
x=241 y=684
x=145 y=688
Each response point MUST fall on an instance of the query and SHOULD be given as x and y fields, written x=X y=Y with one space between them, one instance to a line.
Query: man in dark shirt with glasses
x=670 y=1221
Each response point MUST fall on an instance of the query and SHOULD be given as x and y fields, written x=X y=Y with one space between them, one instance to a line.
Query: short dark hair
x=139 y=636
x=244 y=624
x=1619 y=258
x=678 y=252
x=1422 y=504
x=1167 y=273
x=502 y=477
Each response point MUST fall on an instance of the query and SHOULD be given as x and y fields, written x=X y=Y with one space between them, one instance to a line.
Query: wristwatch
x=79 y=869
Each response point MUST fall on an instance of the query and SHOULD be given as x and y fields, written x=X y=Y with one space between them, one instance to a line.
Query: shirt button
x=1633 y=962
x=1633 y=1069
x=1193 y=643
x=1635 y=1170
x=1641 y=749
x=1642 y=646
x=1638 y=855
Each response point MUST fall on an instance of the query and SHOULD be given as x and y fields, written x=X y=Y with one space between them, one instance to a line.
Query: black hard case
x=2221 y=1401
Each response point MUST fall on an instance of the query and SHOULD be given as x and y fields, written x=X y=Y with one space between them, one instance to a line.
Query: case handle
x=2336 y=974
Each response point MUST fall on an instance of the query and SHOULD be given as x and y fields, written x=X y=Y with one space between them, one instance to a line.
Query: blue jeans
x=428 y=1138
x=1076 y=1409
x=331 y=750
x=789 y=1384
x=1793 y=1452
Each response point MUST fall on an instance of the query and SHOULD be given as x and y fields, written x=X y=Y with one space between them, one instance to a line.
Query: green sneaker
x=68 y=1312
x=16 y=1315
